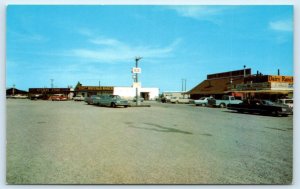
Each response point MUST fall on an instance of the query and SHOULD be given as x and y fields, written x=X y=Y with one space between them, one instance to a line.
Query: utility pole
x=52 y=82
x=13 y=90
x=183 y=84
x=137 y=80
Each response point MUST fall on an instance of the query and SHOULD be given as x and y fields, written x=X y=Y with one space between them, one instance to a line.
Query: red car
x=58 y=97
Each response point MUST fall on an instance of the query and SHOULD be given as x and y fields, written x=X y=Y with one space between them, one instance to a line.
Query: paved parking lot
x=71 y=143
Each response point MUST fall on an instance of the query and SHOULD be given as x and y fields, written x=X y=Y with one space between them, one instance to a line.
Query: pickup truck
x=222 y=103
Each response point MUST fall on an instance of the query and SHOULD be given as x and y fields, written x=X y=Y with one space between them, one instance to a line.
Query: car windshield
x=289 y=101
x=203 y=98
x=267 y=102
x=115 y=97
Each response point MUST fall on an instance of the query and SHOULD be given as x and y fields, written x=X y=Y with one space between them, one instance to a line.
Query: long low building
x=47 y=92
x=125 y=92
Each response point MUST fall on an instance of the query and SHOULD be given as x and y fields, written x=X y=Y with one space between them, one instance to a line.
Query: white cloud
x=198 y=12
x=282 y=25
x=106 y=41
x=111 y=50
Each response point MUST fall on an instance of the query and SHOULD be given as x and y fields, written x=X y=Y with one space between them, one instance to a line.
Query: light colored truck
x=222 y=103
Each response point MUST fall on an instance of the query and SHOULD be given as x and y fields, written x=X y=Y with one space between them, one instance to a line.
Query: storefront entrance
x=145 y=95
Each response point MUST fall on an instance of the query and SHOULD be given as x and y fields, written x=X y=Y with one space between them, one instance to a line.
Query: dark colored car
x=264 y=107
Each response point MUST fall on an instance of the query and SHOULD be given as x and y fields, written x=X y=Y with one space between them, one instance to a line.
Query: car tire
x=222 y=105
x=203 y=105
x=275 y=113
x=125 y=106
x=113 y=105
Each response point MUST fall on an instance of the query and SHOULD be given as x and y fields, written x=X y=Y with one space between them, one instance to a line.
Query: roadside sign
x=136 y=70
x=136 y=85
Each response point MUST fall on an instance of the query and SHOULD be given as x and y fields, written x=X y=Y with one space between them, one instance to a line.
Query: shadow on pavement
x=160 y=128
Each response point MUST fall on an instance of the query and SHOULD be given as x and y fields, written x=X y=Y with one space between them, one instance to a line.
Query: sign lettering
x=94 y=88
x=280 y=79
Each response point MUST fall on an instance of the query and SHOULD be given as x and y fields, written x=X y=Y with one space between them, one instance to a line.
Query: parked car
x=163 y=100
x=92 y=99
x=36 y=96
x=222 y=103
x=17 y=96
x=286 y=101
x=78 y=98
x=58 y=97
x=262 y=107
x=203 y=101
x=112 y=101
x=140 y=98
x=181 y=100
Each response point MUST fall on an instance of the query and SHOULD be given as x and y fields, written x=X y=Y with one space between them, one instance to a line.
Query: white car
x=78 y=98
x=287 y=101
x=181 y=100
x=203 y=101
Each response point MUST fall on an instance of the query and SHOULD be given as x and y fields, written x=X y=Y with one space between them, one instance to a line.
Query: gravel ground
x=74 y=143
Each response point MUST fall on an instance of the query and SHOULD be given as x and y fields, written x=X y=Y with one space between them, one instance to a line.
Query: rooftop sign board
x=280 y=79
x=265 y=86
x=48 y=90
x=94 y=88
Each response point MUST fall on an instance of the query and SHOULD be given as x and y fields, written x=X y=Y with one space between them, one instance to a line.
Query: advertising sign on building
x=280 y=79
x=94 y=88
x=48 y=90
x=281 y=86
x=253 y=86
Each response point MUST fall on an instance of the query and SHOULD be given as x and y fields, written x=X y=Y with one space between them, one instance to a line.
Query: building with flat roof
x=45 y=93
x=125 y=92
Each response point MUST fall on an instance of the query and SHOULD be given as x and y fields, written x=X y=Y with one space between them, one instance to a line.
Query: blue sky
x=99 y=43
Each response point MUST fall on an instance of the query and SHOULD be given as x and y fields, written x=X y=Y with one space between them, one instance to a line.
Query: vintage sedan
x=78 y=98
x=264 y=107
x=112 y=101
x=203 y=101
x=92 y=99
x=58 y=97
